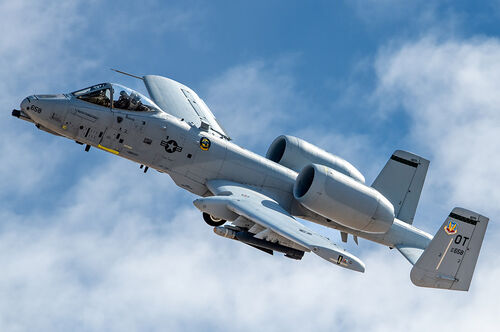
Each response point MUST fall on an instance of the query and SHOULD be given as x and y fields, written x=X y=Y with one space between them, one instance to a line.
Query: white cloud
x=120 y=250
x=255 y=101
x=180 y=276
x=35 y=47
x=45 y=49
x=32 y=56
x=124 y=252
x=261 y=100
x=449 y=89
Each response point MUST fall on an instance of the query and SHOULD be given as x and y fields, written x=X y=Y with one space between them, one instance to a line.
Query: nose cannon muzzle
x=23 y=113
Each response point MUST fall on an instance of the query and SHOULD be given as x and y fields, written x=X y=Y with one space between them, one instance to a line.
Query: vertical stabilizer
x=449 y=260
x=401 y=181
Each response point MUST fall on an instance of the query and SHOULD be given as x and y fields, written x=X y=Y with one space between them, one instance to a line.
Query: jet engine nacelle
x=295 y=153
x=339 y=197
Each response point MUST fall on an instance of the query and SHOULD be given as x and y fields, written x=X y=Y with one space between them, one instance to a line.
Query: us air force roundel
x=171 y=146
x=205 y=143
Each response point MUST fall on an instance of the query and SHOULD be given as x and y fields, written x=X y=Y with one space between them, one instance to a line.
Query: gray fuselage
x=170 y=145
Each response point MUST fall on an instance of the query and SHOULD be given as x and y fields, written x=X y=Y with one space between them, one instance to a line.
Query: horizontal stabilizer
x=401 y=181
x=450 y=259
x=410 y=253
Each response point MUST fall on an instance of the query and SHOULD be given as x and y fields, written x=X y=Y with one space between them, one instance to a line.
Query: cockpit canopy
x=116 y=96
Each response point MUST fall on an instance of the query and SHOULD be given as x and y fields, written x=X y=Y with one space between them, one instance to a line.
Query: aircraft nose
x=25 y=104
x=32 y=106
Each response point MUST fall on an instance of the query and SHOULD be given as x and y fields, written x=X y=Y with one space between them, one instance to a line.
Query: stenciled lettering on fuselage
x=86 y=115
x=461 y=242
x=36 y=109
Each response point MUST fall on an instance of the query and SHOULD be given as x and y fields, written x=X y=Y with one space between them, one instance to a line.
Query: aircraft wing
x=271 y=217
x=182 y=102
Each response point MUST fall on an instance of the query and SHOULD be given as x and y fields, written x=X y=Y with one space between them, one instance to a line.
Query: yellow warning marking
x=64 y=127
x=108 y=149
x=444 y=254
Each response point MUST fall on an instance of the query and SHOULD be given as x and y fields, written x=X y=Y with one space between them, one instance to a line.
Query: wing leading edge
x=267 y=213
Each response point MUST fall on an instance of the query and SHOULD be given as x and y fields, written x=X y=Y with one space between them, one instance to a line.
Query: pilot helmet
x=135 y=97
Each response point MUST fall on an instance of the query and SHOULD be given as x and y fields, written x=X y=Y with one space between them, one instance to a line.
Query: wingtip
x=359 y=266
x=341 y=258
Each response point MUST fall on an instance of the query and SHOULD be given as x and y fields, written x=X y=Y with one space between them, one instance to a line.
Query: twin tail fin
x=450 y=259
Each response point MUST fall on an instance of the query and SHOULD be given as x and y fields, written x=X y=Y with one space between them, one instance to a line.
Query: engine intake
x=295 y=153
x=340 y=198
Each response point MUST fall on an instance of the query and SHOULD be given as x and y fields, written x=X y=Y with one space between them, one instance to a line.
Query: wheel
x=213 y=221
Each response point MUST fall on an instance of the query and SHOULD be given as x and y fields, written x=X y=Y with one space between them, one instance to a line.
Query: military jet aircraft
x=255 y=199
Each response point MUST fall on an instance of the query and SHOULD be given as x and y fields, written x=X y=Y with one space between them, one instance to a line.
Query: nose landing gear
x=213 y=221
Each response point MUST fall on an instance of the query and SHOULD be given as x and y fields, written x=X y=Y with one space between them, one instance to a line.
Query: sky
x=88 y=242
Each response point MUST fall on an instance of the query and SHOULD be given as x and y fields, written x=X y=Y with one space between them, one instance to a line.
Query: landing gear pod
x=215 y=211
x=213 y=221
x=340 y=198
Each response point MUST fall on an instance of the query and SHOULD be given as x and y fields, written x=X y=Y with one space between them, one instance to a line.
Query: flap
x=181 y=102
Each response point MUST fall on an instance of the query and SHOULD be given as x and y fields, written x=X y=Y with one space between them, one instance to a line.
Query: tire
x=212 y=221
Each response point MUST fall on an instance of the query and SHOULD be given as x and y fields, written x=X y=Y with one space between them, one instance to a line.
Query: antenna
x=124 y=73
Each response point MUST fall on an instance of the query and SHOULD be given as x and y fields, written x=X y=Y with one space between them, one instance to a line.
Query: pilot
x=142 y=108
x=135 y=103
x=106 y=101
x=99 y=98
x=123 y=102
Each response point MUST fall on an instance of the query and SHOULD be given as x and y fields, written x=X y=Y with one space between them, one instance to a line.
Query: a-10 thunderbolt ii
x=255 y=199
